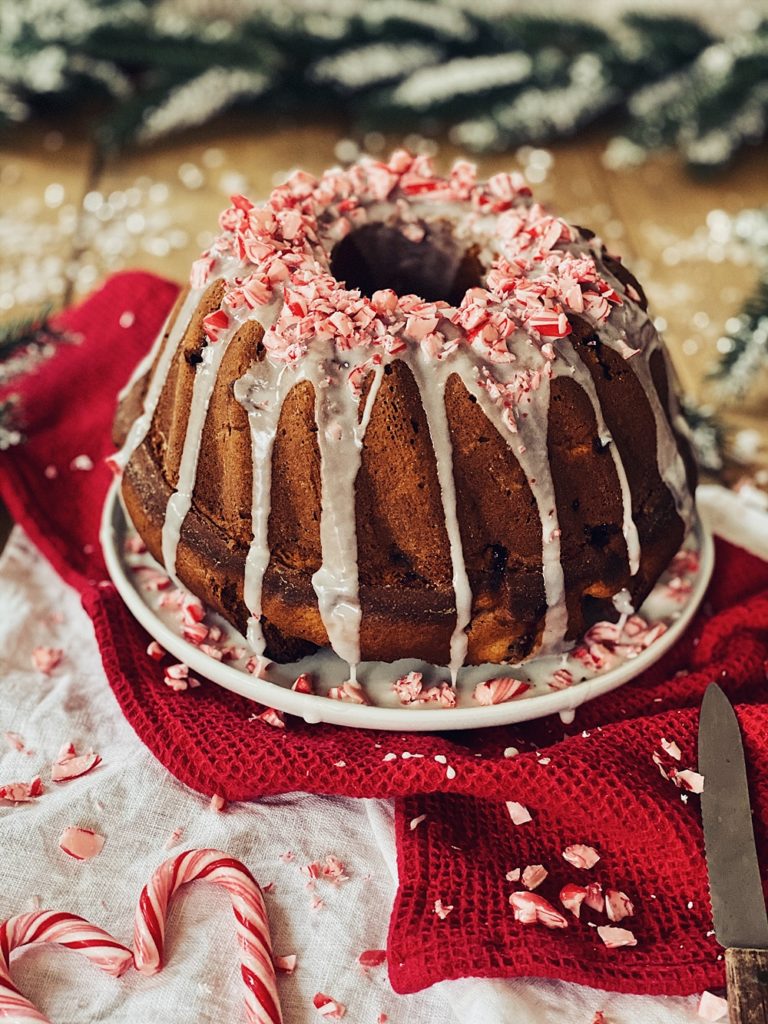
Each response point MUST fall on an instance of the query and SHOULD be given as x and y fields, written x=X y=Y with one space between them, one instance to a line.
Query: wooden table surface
x=67 y=213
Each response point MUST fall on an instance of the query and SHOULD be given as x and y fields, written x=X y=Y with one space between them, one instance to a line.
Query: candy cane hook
x=66 y=930
x=262 y=1005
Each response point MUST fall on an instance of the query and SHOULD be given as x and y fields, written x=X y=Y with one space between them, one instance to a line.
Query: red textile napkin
x=593 y=782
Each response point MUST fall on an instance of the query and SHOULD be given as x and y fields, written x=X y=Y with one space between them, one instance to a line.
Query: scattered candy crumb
x=618 y=905
x=71 y=765
x=615 y=937
x=328 y=1007
x=14 y=741
x=285 y=964
x=534 y=875
x=46 y=659
x=443 y=909
x=712 y=1007
x=581 y=856
x=530 y=908
x=174 y=838
x=218 y=803
x=22 y=792
x=415 y=822
x=373 y=957
x=518 y=813
x=81 y=843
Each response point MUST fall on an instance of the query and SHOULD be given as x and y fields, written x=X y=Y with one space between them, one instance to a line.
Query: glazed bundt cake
x=407 y=416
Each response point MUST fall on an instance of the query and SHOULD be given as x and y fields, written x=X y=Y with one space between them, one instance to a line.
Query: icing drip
x=140 y=426
x=629 y=321
x=670 y=461
x=261 y=392
x=180 y=501
x=529 y=446
x=578 y=371
x=431 y=378
x=340 y=436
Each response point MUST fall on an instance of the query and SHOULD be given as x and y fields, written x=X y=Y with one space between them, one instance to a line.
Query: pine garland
x=493 y=78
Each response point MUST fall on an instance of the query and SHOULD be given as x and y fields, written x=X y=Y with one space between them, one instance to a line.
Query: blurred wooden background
x=68 y=217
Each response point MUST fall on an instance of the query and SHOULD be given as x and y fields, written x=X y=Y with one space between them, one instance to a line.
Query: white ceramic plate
x=674 y=607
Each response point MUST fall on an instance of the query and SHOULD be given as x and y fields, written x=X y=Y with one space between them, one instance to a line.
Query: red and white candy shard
x=500 y=690
x=273 y=717
x=81 y=843
x=303 y=684
x=327 y=1007
x=618 y=905
x=262 y=1005
x=14 y=741
x=22 y=792
x=594 y=897
x=218 y=803
x=572 y=896
x=65 y=930
x=712 y=1007
x=286 y=964
x=45 y=659
x=581 y=856
x=373 y=957
x=533 y=876
x=530 y=908
x=351 y=691
x=518 y=812
x=155 y=651
x=688 y=780
x=671 y=748
x=615 y=937
x=70 y=765
x=443 y=909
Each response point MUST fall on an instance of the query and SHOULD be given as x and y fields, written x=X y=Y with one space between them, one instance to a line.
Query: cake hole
x=600 y=536
x=377 y=256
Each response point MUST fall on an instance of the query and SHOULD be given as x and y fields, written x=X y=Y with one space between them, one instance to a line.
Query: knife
x=738 y=905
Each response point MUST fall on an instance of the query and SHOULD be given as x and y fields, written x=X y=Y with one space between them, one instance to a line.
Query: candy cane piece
x=64 y=929
x=262 y=1005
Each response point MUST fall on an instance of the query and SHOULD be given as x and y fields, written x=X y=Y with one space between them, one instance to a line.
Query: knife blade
x=738 y=907
x=736 y=892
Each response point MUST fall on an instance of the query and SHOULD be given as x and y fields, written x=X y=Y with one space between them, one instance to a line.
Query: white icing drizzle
x=180 y=502
x=141 y=425
x=261 y=391
x=630 y=322
x=573 y=366
x=431 y=378
x=340 y=437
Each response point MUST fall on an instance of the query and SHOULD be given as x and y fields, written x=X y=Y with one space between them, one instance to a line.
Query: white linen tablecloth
x=136 y=805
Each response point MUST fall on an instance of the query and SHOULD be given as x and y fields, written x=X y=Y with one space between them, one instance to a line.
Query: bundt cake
x=407 y=416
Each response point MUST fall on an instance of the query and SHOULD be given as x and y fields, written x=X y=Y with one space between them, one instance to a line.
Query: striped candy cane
x=66 y=930
x=262 y=1005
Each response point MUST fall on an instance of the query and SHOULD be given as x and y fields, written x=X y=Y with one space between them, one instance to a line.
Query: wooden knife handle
x=747 y=974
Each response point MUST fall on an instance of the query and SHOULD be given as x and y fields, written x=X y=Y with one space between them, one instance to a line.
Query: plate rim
x=314 y=708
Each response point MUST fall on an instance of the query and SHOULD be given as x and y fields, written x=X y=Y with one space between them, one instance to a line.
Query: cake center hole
x=378 y=256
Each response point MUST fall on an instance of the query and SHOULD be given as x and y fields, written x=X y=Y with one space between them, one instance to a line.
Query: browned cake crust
x=405 y=577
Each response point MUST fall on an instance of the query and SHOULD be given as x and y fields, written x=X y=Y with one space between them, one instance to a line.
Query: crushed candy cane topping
x=542 y=270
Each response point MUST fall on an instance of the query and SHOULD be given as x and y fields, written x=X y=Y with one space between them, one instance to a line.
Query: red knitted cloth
x=596 y=782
